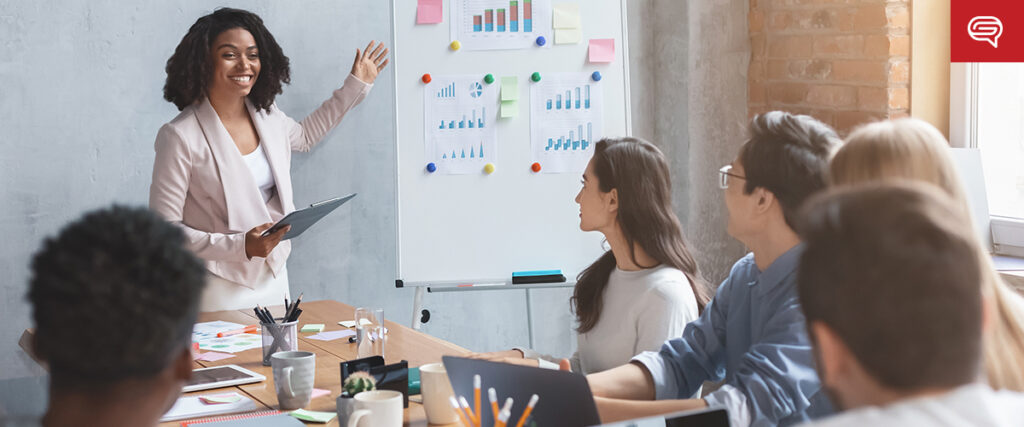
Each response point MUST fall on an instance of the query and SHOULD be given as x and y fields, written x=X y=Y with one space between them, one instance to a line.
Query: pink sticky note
x=213 y=356
x=317 y=392
x=602 y=50
x=428 y=12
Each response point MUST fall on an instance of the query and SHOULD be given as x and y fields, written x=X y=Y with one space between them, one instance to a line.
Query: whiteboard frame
x=396 y=63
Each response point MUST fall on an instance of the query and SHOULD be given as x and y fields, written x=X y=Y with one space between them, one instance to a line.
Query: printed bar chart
x=500 y=24
x=474 y=121
x=447 y=91
x=488 y=18
x=574 y=141
x=582 y=100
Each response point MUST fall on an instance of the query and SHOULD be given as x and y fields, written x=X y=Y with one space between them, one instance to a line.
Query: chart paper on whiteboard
x=567 y=117
x=460 y=114
x=500 y=24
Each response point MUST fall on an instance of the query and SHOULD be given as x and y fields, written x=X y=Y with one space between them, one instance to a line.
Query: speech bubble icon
x=985 y=29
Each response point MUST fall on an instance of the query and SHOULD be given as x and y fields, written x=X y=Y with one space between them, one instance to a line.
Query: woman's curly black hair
x=188 y=70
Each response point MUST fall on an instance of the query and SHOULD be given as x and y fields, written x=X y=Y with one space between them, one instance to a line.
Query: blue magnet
x=596 y=76
x=541 y=41
x=431 y=167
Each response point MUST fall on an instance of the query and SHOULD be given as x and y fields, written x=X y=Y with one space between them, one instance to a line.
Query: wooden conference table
x=403 y=343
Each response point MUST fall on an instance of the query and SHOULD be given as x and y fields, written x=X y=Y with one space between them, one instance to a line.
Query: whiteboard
x=473 y=226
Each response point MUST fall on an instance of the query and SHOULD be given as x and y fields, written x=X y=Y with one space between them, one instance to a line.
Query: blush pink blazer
x=201 y=182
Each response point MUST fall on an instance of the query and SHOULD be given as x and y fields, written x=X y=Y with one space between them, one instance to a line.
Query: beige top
x=201 y=181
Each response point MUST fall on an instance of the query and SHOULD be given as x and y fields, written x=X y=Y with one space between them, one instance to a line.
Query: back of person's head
x=787 y=155
x=913 y=149
x=909 y=149
x=114 y=297
x=639 y=173
x=891 y=270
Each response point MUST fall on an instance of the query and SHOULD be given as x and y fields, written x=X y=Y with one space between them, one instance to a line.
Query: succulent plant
x=358 y=382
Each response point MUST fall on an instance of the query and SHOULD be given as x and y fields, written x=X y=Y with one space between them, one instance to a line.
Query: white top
x=642 y=309
x=967 y=406
x=259 y=166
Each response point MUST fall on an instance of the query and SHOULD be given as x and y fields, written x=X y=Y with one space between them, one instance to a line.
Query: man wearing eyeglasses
x=752 y=334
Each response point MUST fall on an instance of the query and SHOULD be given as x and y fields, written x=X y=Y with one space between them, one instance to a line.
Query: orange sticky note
x=428 y=12
x=602 y=50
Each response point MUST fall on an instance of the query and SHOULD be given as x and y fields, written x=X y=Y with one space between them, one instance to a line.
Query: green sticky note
x=509 y=88
x=313 y=416
x=313 y=327
x=509 y=109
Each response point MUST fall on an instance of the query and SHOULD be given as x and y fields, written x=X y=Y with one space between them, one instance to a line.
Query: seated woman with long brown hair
x=646 y=288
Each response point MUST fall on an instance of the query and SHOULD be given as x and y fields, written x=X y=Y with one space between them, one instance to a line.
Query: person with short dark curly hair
x=114 y=298
x=222 y=167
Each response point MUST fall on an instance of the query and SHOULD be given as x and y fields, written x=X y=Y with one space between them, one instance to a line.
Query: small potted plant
x=356 y=383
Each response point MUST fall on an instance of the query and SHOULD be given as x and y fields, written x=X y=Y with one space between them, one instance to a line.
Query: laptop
x=565 y=397
x=699 y=418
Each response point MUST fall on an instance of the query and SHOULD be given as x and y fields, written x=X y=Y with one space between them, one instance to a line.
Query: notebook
x=268 y=418
x=192 y=407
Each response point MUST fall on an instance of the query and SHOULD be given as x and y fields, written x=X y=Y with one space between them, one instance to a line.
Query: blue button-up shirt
x=753 y=335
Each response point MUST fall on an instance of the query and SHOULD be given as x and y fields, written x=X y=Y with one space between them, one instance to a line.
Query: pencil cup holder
x=279 y=337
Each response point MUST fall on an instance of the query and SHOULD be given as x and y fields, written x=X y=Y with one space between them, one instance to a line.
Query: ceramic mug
x=436 y=390
x=377 y=408
x=293 y=377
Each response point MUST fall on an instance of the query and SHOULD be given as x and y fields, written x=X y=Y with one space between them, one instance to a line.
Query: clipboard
x=302 y=219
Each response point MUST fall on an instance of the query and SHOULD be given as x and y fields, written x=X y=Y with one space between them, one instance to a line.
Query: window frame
x=1007 y=232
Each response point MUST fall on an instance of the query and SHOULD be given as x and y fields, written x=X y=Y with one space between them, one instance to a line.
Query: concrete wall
x=82 y=103
x=688 y=65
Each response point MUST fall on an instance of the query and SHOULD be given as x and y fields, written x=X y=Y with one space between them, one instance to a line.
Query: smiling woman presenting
x=222 y=168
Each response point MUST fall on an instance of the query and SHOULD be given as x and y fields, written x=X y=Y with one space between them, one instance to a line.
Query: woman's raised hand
x=370 y=61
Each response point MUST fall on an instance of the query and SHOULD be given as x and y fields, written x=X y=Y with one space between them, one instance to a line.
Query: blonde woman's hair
x=913 y=149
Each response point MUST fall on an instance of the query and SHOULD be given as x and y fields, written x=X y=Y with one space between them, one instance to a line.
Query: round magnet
x=535 y=76
x=431 y=167
x=489 y=168
x=541 y=41
x=489 y=78
x=426 y=78
x=455 y=45
x=535 y=167
x=596 y=76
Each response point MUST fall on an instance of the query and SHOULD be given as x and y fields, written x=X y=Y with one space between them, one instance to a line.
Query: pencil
x=476 y=398
x=469 y=411
x=459 y=411
x=503 y=418
x=493 y=395
x=529 y=408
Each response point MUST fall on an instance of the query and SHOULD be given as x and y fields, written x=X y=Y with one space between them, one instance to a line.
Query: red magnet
x=535 y=167
x=426 y=78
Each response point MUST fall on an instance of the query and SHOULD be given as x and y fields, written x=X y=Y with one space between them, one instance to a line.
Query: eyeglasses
x=724 y=174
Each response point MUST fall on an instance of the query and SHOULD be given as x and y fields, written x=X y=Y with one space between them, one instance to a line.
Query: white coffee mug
x=377 y=408
x=436 y=390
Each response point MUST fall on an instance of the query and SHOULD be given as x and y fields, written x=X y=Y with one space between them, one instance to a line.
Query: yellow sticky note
x=509 y=88
x=568 y=36
x=509 y=109
x=566 y=15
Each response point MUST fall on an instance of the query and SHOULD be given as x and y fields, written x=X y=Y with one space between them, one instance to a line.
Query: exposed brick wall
x=845 y=62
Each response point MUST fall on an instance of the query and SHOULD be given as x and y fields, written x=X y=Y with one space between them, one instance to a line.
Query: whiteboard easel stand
x=452 y=286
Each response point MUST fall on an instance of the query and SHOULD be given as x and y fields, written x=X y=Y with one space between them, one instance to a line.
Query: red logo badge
x=987 y=31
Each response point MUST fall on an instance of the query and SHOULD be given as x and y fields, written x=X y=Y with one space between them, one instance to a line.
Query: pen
x=295 y=309
x=246 y=330
x=493 y=395
x=477 y=285
x=459 y=411
x=529 y=408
